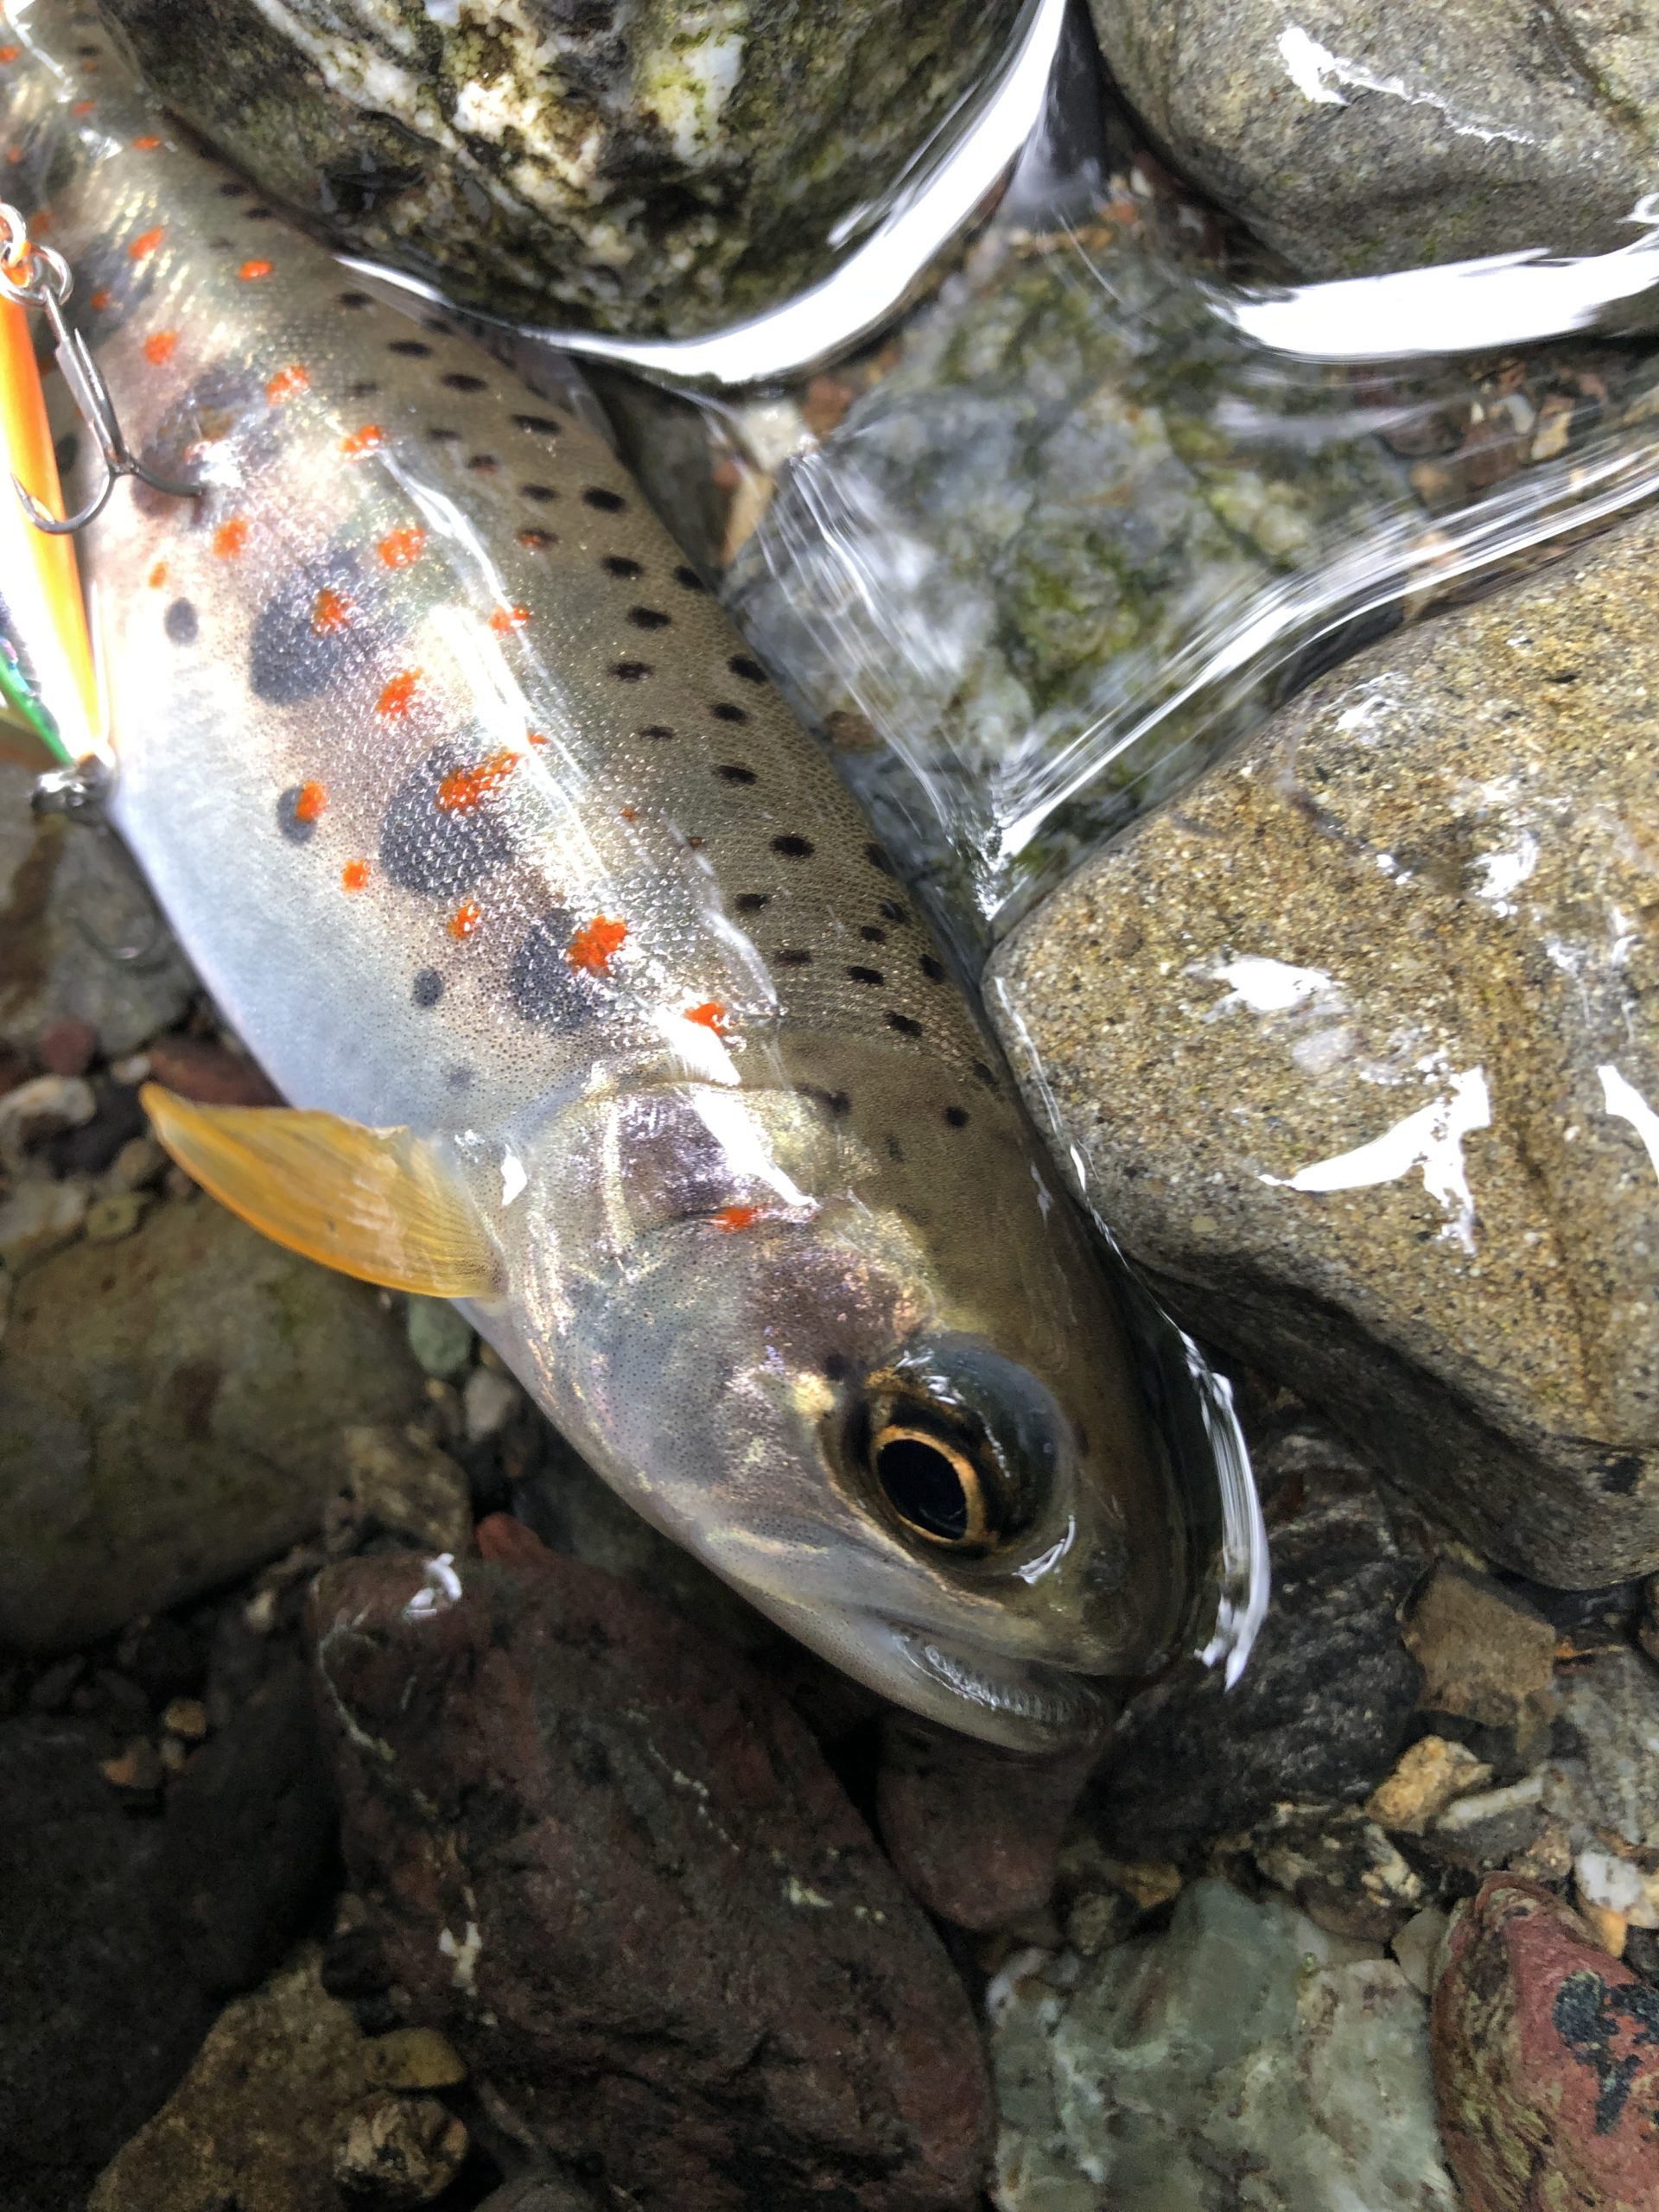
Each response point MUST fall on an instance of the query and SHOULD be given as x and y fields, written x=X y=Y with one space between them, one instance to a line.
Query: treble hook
x=36 y=276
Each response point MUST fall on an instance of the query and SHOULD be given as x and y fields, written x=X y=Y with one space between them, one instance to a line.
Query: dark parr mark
x=648 y=618
x=793 y=849
x=180 y=622
x=732 y=772
x=608 y=503
x=427 y=988
x=903 y=1025
x=436 y=850
x=459 y=380
x=750 y=670
x=288 y=657
x=542 y=982
x=297 y=828
x=617 y=564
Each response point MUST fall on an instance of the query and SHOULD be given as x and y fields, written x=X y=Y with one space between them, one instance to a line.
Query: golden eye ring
x=916 y=1471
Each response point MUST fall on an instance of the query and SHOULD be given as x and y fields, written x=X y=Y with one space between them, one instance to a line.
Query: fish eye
x=934 y=1487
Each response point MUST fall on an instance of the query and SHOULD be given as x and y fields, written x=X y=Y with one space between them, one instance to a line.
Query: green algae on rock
x=1355 y=1043
x=653 y=169
x=174 y=1410
x=1372 y=135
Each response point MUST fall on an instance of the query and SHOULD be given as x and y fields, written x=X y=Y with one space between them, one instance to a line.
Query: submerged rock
x=1244 y=2055
x=640 y=170
x=1370 y=135
x=1546 y=2060
x=610 y=1866
x=1355 y=1046
x=174 y=1410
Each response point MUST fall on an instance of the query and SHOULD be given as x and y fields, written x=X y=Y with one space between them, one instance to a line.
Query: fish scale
x=485 y=828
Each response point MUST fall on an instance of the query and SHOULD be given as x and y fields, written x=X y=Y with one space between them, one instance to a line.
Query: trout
x=600 y=1007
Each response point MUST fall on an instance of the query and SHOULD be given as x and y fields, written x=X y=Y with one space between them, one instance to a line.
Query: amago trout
x=600 y=1009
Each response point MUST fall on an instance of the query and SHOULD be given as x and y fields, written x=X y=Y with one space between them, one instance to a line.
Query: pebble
x=399 y=2151
x=413 y=2058
x=488 y=1404
x=399 y=1484
x=185 y=1717
x=139 y=1163
x=1546 y=2059
x=138 y=1768
x=1417 y=1947
x=67 y=1047
x=40 y=1218
x=43 y=1107
x=1486 y=1655
x=113 y=1216
x=1427 y=1777
x=440 y=1338
x=209 y=1072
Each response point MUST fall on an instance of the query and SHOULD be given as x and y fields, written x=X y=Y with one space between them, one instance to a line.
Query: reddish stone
x=610 y=1863
x=1546 y=2061
x=197 y=1069
x=67 y=1047
x=974 y=1831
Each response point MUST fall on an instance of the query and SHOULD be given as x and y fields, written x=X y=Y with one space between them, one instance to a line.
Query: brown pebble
x=67 y=1047
x=399 y=2151
x=185 y=1717
x=413 y=2058
x=210 y=1073
x=138 y=1768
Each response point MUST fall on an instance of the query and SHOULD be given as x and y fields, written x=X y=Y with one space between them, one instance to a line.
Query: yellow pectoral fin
x=373 y=1203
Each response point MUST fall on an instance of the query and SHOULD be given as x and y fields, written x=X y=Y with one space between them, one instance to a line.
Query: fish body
x=483 y=827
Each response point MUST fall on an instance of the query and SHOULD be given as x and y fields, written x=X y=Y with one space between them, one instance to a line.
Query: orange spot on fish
x=731 y=1217
x=399 y=548
x=83 y=107
x=251 y=271
x=354 y=876
x=39 y=221
x=464 y=920
x=466 y=789
x=230 y=537
x=630 y=813
x=13 y=155
x=142 y=247
x=99 y=300
x=398 y=695
x=539 y=737
x=9 y=53
x=160 y=346
x=309 y=802
x=369 y=439
x=506 y=618
x=141 y=145
x=158 y=576
x=331 y=611
x=710 y=1015
x=596 y=943
x=286 y=382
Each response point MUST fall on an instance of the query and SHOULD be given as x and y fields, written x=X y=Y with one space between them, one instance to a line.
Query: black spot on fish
x=891 y=910
x=835 y=1102
x=542 y=982
x=227 y=402
x=724 y=711
x=459 y=1078
x=688 y=579
x=932 y=968
x=231 y=190
x=288 y=659
x=427 y=988
x=657 y=730
x=413 y=349
x=537 y=541
x=180 y=622
x=877 y=858
x=958 y=1117
x=289 y=820
x=631 y=672
x=541 y=426
x=835 y=1367
x=461 y=380
x=440 y=852
x=895 y=1151
x=258 y=215
x=732 y=772
x=482 y=464
x=353 y=299
x=541 y=493
x=64 y=451
x=648 y=618
x=791 y=957
x=751 y=902
x=871 y=978
x=439 y=323
x=871 y=935
x=793 y=849
x=608 y=503
x=441 y=435
x=365 y=388
x=750 y=670
x=903 y=1025
x=617 y=564
x=985 y=1075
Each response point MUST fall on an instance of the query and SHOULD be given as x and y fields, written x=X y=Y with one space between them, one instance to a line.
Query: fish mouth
x=1023 y=1704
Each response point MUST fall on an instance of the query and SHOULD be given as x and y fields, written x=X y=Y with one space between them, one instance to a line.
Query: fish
x=598 y=1006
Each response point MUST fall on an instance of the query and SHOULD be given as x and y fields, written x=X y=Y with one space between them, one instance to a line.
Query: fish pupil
x=931 y=1488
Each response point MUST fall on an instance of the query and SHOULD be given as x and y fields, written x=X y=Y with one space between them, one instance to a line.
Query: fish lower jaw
x=1022 y=1704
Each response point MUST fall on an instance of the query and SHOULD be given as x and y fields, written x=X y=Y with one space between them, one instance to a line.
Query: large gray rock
x=652 y=168
x=171 y=1414
x=1241 y=2057
x=1355 y=1044
x=1357 y=135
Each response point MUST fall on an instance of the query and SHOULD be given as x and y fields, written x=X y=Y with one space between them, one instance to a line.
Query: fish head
x=931 y=1462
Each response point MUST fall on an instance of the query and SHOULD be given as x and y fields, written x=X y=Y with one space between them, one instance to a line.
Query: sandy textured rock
x=173 y=1408
x=610 y=1866
x=255 y=2122
x=641 y=169
x=1365 y=135
x=1546 y=2060
x=1354 y=1041
x=1242 y=2057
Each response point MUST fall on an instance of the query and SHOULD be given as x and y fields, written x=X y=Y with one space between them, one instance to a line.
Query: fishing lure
x=601 y=1010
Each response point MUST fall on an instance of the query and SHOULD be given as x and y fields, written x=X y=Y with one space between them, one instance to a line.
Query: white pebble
x=488 y=1402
